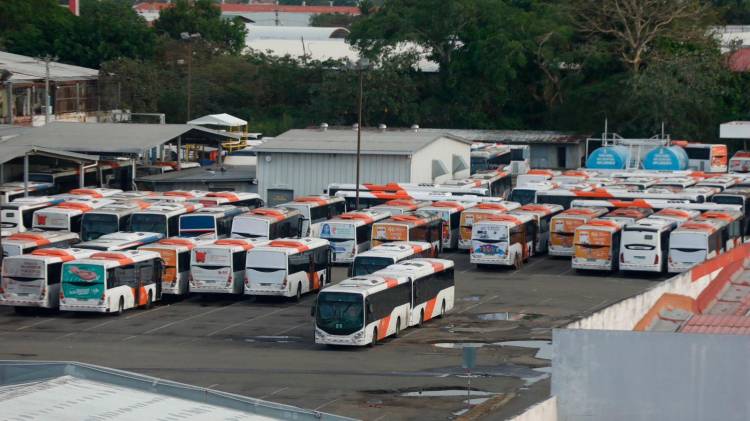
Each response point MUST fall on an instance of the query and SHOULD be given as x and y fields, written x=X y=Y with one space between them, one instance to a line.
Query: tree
x=110 y=29
x=332 y=20
x=632 y=28
x=36 y=28
x=222 y=36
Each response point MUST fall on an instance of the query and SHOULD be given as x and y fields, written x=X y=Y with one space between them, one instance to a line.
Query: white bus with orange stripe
x=505 y=240
x=563 y=227
x=362 y=310
x=163 y=218
x=109 y=219
x=478 y=213
x=93 y=193
x=450 y=213
x=219 y=267
x=625 y=216
x=597 y=245
x=316 y=209
x=267 y=223
x=118 y=241
x=18 y=215
x=33 y=280
x=433 y=287
x=679 y=216
x=250 y=200
x=26 y=242
x=288 y=267
x=67 y=215
x=415 y=227
x=111 y=282
x=694 y=242
x=14 y=190
x=175 y=253
x=543 y=213
x=733 y=234
x=400 y=206
x=349 y=233
x=387 y=254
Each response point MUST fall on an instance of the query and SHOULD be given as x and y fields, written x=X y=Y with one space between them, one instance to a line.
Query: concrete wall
x=442 y=149
x=543 y=411
x=615 y=375
x=311 y=173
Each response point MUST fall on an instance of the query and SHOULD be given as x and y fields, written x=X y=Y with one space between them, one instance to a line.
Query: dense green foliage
x=522 y=64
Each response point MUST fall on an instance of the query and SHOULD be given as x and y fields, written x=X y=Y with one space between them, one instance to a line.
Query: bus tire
x=442 y=310
x=149 y=301
x=298 y=294
x=398 y=328
x=374 y=337
x=120 y=307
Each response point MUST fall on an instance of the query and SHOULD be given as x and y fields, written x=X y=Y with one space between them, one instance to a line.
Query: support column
x=26 y=175
x=179 y=153
x=81 y=175
x=132 y=175
x=219 y=159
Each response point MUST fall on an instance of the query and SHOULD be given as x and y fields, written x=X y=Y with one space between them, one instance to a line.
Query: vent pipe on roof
x=415 y=127
x=323 y=127
x=355 y=126
x=382 y=127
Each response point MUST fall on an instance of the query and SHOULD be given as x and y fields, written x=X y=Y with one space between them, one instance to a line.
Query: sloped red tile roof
x=728 y=325
x=739 y=61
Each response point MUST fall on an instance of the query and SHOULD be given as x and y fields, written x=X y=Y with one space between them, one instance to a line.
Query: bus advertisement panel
x=597 y=244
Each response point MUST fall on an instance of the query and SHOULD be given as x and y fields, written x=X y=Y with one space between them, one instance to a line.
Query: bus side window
x=338 y=208
x=544 y=225
x=126 y=275
x=28 y=219
x=183 y=261
x=455 y=220
x=75 y=224
x=364 y=233
x=238 y=261
x=112 y=280
x=299 y=262
x=224 y=225
x=173 y=226
x=321 y=258
x=53 y=273
x=515 y=235
x=124 y=223
x=146 y=272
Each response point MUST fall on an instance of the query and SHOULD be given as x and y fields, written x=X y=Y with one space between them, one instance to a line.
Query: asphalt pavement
x=264 y=348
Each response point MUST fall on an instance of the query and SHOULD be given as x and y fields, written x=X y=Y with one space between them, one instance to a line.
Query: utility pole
x=189 y=38
x=362 y=64
x=47 y=60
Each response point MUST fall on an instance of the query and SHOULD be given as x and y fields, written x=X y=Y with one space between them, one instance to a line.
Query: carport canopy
x=117 y=138
x=11 y=152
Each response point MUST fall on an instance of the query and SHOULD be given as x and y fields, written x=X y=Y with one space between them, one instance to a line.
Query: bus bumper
x=585 y=265
x=99 y=308
x=355 y=339
x=560 y=251
x=25 y=303
x=490 y=260
x=639 y=268
x=677 y=268
x=268 y=292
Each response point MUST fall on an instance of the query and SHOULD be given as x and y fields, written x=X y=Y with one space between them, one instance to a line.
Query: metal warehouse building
x=303 y=162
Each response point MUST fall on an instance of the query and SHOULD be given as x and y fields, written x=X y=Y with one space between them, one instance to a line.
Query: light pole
x=189 y=38
x=362 y=65
x=47 y=60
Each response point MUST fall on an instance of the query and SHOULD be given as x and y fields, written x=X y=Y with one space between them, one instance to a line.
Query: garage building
x=306 y=161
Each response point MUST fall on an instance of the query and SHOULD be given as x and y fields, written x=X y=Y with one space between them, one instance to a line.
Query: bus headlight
x=357 y=336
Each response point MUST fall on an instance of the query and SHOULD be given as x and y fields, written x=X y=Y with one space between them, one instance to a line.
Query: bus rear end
x=24 y=283
x=84 y=287
x=489 y=244
x=643 y=246
x=219 y=267
x=384 y=232
x=266 y=272
x=693 y=243
x=596 y=245
x=343 y=238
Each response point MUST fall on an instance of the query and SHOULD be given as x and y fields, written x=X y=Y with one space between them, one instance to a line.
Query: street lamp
x=361 y=65
x=189 y=38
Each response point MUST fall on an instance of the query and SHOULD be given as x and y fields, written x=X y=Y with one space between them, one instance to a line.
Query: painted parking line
x=273 y=393
x=35 y=324
x=166 y=325
x=327 y=403
x=246 y=321
x=294 y=327
x=113 y=320
x=477 y=304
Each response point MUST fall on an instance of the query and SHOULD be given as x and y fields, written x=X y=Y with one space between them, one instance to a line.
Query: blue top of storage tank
x=672 y=158
x=608 y=158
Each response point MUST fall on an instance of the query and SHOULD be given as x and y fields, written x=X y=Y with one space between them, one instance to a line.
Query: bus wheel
x=374 y=338
x=120 y=306
x=442 y=310
x=149 y=301
x=398 y=328
x=298 y=295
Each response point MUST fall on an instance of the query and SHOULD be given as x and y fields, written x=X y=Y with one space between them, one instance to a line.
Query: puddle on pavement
x=507 y=316
x=544 y=347
x=473 y=298
x=274 y=339
x=458 y=345
x=544 y=372
x=445 y=393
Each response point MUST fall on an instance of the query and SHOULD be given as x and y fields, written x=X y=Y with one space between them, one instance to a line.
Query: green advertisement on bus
x=83 y=281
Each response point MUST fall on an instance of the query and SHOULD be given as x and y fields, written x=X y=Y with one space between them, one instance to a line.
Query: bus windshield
x=83 y=281
x=94 y=226
x=144 y=222
x=195 y=225
x=523 y=196
x=250 y=228
x=364 y=265
x=339 y=313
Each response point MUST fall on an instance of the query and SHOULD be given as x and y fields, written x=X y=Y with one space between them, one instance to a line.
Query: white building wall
x=307 y=174
x=442 y=149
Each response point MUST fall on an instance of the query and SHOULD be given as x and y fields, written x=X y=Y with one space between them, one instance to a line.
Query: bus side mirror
x=312 y=310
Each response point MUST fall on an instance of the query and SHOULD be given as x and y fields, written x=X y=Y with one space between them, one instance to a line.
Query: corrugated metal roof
x=223 y=119
x=344 y=141
x=10 y=152
x=25 y=68
x=201 y=174
x=114 y=138
x=516 y=136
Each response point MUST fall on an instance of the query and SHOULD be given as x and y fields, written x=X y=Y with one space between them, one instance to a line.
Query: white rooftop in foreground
x=70 y=398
